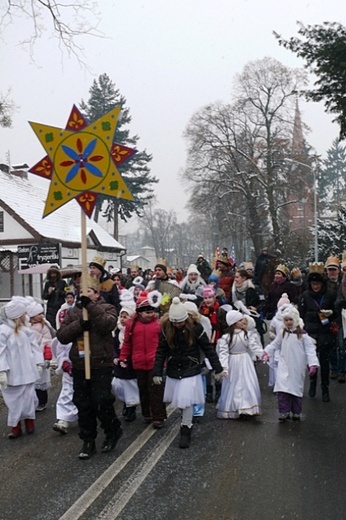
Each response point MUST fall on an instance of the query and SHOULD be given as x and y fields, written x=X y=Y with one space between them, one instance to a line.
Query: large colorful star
x=82 y=161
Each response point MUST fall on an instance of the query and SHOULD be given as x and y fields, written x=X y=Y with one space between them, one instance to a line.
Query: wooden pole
x=85 y=292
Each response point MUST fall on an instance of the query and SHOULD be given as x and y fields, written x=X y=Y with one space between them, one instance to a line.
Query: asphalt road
x=234 y=470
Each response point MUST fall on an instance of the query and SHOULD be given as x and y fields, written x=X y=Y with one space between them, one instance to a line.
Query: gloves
x=47 y=353
x=39 y=370
x=85 y=301
x=265 y=357
x=157 y=380
x=312 y=370
x=67 y=367
x=3 y=379
x=86 y=325
x=327 y=312
x=221 y=375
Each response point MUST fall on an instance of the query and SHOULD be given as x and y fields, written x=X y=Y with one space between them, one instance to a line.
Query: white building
x=24 y=235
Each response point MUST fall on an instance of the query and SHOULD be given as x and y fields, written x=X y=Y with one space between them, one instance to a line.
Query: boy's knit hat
x=177 y=311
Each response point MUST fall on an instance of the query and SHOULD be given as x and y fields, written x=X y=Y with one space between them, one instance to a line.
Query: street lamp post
x=294 y=161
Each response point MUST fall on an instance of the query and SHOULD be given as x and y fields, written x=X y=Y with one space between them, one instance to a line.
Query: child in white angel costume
x=240 y=394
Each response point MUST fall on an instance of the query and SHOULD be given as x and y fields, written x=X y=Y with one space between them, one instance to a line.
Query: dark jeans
x=325 y=344
x=94 y=400
x=151 y=396
x=338 y=355
x=42 y=396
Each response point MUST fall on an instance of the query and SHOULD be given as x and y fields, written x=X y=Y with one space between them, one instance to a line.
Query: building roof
x=26 y=199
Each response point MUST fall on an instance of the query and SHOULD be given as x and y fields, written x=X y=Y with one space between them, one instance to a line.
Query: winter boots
x=185 y=437
x=111 y=440
x=29 y=426
x=87 y=450
x=130 y=414
x=16 y=431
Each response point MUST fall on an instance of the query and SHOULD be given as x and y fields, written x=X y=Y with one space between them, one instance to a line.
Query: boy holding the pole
x=92 y=396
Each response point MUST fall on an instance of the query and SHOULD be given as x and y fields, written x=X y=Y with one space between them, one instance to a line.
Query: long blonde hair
x=18 y=324
x=169 y=330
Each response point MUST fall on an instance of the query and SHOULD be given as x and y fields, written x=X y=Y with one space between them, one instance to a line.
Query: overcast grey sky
x=168 y=58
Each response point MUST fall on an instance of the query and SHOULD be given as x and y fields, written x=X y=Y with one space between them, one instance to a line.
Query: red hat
x=142 y=303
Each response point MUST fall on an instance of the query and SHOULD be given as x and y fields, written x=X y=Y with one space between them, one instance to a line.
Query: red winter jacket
x=141 y=340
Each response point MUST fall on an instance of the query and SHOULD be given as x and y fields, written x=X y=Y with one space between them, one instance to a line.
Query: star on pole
x=82 y=161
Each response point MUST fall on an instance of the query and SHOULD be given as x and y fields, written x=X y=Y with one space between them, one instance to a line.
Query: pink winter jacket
x=141 y=340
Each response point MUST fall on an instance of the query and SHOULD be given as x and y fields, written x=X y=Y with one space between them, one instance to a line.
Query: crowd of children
x=187 y=356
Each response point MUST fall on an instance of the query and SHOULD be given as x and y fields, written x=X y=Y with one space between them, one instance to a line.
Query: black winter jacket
x=185 y=360
x=309 y=307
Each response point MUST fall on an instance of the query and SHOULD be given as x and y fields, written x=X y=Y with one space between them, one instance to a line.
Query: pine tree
x=332 y=181
x=331 y=236
x=104 y=96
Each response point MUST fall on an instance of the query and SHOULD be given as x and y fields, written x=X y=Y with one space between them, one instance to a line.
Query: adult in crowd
x=261 y=265
x=108 y=288
x=280 y=285
x=316 y=308
x=340 y=309
x=226 y=275
x=332 y=269
x=203 y=267
x=134 y=273
x=193 y=283
x=246 y=298
x=54 y=293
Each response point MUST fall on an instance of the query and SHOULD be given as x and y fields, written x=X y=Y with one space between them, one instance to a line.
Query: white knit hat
x=34 y=309
x=14 y=309
x=192 y=269
x=233 y=316
x=191 y=307
x=177 y=311
x=284 y=299
x=291 y=312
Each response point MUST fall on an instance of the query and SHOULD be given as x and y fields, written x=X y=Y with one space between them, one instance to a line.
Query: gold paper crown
x=316 y=267
x=332 y=261
x=91 y=282
x=296 y=271
x=283 y=269
x=343 y=260
x=98 y=259
x=161 y=261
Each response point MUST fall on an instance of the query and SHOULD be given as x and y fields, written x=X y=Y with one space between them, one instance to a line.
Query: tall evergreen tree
x=332 y=181
x=104 y=96
x=331 y=235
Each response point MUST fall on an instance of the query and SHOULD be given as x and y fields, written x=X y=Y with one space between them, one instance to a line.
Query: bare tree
x=66 y=21
x=237 y=151
x=7 y=108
